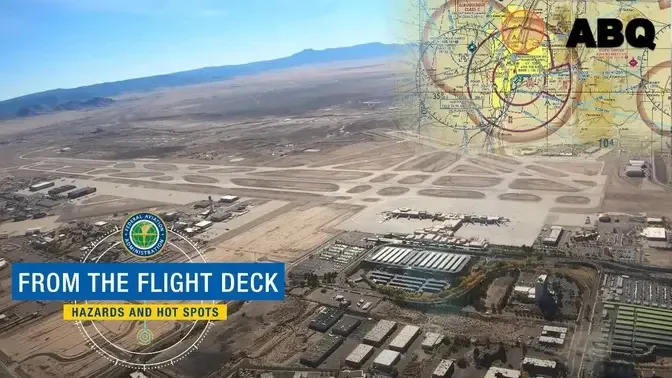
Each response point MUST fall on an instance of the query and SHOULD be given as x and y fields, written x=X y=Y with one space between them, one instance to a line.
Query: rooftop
x=539 y=362
x=443 y=368
x=359 y=353
x=655 y=233
x=386 y=358
x=494 y=372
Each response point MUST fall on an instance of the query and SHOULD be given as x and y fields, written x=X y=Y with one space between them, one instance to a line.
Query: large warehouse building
x=404 y=339
x=431 y=261
x=359 y=355
x=381 y=331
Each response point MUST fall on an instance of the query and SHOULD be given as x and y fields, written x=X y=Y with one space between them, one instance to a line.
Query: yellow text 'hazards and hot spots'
x=82 y=312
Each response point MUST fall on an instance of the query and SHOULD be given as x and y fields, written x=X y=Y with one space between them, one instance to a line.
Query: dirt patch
x=197 y=167
x=414 y=179
x=584 y=168
x=137 y=174
x=546 y=171
x=369 y=154
x=392 y=191
x=228 y=170
x=524 y=174
x=384 y=177
x=468 y=181
x=657 y=257
x=586 y=183
x=488 y=165
x=196 y=179
x=448 y=193
x=127 y=164
x=315 y=174
x=541 y=184
x=100 y=198
x=574 y=200
x=105 y=171
x=75 y=169
x=497 y=291
x=161 y=167
x=371 y=199
x=359 y=189
x=163 y=178
x=523 y=197
x=434 y=162
x=471 y=170
x=282 y=184
x=501 y=158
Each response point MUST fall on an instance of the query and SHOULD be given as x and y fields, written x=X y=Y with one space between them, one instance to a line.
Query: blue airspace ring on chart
x=144 y=234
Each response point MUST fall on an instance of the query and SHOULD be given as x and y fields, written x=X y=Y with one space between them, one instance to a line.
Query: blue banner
x=147 y=281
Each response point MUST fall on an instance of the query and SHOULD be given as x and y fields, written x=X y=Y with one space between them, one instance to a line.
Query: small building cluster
x=554 y=336
x=636 y=168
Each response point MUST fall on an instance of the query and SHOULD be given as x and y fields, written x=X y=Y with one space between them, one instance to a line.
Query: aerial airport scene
x=462 y=188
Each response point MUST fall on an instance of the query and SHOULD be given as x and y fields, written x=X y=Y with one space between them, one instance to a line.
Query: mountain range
x=96 y=95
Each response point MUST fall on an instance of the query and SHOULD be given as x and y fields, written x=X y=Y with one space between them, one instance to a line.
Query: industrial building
x=432 y=340
x=405 y=338
x=637 y=163
x=81 y=192
x=640 y=329
x=386 y=360
x=220 y=216
x=346 y=325
x=319 y=351
x=40 y=186
x=554 y=237
x=202 y=204
x=325 y=318
x=381 y=331
x=655 y=233
x=410 y=283
x=229 y=199
x=635 y=171
x=202 y=225
x=359 y=355
x=497 y=372
x=553 y=336
x=419 y=259
x=445 y=369
x=537 y=366
x=655 y=221
x=60 y=189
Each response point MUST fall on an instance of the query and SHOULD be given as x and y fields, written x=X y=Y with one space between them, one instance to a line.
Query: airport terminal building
x=423 y=262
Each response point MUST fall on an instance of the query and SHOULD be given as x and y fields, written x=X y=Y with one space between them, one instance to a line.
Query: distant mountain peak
x=96 y=95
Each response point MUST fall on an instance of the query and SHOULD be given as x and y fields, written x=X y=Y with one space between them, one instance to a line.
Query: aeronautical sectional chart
x=191 y=290
x=494 y=75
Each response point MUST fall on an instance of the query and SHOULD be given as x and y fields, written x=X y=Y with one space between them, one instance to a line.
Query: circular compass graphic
x=143 y=344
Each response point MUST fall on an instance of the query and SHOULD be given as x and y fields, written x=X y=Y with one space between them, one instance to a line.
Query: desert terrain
x=315 y=158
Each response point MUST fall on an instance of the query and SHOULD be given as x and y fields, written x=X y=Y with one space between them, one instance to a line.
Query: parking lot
x=621 y=288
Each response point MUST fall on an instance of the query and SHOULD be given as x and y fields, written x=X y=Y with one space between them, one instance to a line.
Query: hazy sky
x=47 y=44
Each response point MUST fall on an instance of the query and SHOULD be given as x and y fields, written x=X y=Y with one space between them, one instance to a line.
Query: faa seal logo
x=144 y=234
